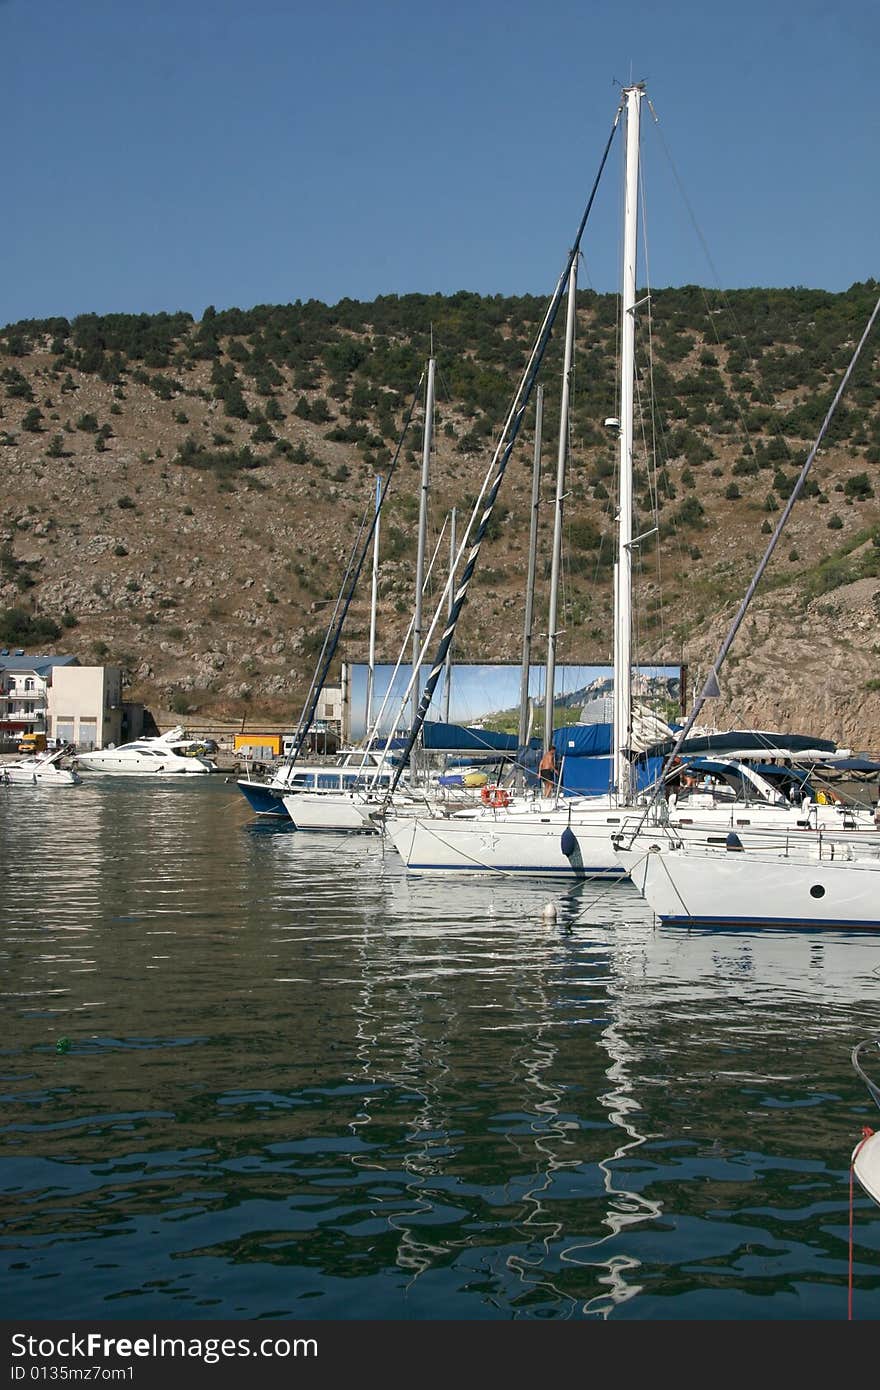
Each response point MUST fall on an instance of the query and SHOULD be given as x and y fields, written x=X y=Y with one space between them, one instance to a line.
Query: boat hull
x=264 y=800
x=866 y=1165
x=529 y=846
x=754 y=887
x=327 y=811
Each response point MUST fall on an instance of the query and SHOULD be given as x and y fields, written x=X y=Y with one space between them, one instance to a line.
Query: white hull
x=152 y=767
x=714 y=886
x=866 y=1165
x=526 y=837
x=328 y=811
x=527 y=842
x=34 y=774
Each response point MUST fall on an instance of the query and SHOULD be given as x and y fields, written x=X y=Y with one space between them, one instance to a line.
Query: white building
x=56 y=696
x=25 y=682
x=85 y=706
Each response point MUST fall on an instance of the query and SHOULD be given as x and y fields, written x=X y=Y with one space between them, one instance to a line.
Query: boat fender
x=568 y=843
x=733 y=841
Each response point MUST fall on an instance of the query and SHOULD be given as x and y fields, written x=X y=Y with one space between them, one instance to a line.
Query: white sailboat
x=527 y=835
x=811 y=879
x=760 y=879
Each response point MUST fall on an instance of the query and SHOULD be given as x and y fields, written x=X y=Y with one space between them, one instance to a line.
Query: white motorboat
x=42 y=770
x=172 y=753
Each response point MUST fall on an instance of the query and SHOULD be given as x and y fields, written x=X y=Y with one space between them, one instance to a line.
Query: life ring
x=495 y=796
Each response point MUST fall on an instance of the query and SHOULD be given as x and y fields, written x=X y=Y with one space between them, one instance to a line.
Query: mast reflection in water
x=297 y=1083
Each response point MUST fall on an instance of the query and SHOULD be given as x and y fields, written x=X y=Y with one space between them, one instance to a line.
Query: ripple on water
x=248 y=1072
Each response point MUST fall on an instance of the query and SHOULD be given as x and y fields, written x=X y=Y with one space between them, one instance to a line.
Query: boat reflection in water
x=299 y=1083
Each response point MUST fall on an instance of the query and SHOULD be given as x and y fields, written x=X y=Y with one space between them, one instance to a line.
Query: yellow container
x=260 y=745
x=475 y=779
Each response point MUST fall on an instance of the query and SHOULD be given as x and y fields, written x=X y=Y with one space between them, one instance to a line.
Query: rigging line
x=331 y=641
x=710 y=686
x=494 y=476
x=723 y=293
x=336 y=609
x=780 y=525
x=658 y=446
x=372 y=733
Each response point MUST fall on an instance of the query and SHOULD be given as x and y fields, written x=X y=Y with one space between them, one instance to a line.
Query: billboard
x=490 y=693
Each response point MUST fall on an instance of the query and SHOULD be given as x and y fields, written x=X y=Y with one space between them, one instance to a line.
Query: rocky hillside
x=181 y=497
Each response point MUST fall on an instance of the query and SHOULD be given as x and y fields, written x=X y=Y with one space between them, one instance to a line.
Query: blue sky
x=175 y=155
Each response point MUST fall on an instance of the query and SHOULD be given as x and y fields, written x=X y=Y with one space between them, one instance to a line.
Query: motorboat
x=41 y=770
x=352 y=769
x=171 y=753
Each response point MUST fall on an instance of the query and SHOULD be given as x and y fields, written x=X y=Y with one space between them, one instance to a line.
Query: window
x=88 y=733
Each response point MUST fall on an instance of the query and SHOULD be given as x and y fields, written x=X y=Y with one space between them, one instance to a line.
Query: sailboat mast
x=530 y=575
x=623 y=570
x=371 y=665
x=447 y=670
x=560 y=493
x=423 y=529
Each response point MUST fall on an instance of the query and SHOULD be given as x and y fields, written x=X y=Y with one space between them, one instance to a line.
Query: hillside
x=181 y=497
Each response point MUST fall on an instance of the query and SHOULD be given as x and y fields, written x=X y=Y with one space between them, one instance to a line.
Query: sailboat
x=811 y=879
x=265 y=795
x=524 y=834
x=571 y=837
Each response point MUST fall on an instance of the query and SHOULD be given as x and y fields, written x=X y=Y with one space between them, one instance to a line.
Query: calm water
x=300 y=1084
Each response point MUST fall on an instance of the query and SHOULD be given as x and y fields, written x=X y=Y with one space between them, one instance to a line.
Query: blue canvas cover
x=582 y=741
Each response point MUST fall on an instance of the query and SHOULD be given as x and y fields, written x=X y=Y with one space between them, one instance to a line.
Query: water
x=299 y=1084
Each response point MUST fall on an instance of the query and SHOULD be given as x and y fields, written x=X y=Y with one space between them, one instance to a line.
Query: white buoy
x=549 y=914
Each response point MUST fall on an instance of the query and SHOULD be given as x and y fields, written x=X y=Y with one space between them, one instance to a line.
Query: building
x=85 y=706
x=25 y=682
x=56 y=696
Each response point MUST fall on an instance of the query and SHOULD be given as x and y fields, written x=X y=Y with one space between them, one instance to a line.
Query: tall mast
x=371 y=666
x=530 y=576
x=560 y=493
x=423 y=528
x=623 y=569
x=447 y=670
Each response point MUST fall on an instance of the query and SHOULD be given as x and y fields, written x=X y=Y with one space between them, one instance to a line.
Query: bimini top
x=748 y=741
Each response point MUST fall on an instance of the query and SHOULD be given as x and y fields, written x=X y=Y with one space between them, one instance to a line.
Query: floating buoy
x=549 y=914
x=62 y=1045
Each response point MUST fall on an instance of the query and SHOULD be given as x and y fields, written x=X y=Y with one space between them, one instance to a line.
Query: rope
x=867 y=1132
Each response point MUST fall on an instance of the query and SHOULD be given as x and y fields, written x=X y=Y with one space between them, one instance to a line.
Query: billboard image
x=489 y=694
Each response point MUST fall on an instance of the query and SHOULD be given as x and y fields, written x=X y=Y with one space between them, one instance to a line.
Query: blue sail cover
x=438 y=737
x=584 y=753
x=582 y=741
x=746 y=740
